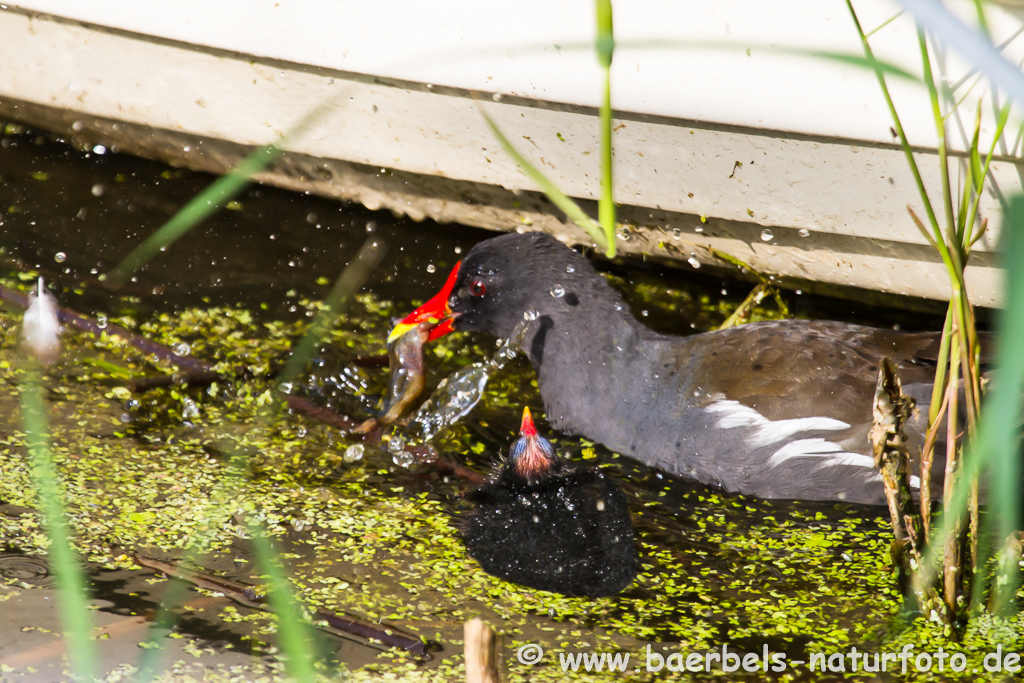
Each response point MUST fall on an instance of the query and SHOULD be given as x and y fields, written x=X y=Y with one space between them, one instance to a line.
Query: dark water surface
x=370 y=536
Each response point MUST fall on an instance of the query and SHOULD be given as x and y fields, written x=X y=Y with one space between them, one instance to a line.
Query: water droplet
x=767 y=235
x=799 y=292
x=693 y=262
x=456 y=395
x=403 y=459
x=189 y=409
x=101 y=321
x=558 y=291
x=644 y=313
x=570 y=269
x=371 y=226
x=77 y=126
x=803 y=232
x=600 y=506
x=458 y=250
x=60 y=257
x=396 y=444
x=182 y=349
x=285 y=387
x=99 y=149
x=431 y=268
x=496 y=97
x=531 y=314
x=97 y=190
x=676 y=233
x=353 y=453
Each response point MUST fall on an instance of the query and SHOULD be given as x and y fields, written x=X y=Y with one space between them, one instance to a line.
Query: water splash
x=458 y=393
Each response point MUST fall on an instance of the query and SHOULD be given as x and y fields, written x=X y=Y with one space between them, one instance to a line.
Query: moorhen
x=543 y=523
x=775 y=409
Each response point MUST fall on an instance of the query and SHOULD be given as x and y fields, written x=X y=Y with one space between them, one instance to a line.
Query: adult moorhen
x=543 y=523
x=773 y=409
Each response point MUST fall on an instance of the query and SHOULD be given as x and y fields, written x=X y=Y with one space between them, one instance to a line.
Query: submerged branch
x=334 y=622
x=199 y=370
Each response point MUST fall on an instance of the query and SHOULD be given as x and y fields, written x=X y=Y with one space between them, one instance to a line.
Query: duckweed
x=379 y=541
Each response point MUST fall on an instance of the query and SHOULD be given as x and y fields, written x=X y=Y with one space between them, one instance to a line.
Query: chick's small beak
x=531 y=455
x=435 y=311
x=527 y=428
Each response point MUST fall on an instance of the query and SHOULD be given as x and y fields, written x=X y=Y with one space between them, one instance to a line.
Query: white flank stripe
x=735 y=414
x=830 y=453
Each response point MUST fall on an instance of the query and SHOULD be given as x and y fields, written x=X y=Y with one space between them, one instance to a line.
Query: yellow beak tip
x=399 y=330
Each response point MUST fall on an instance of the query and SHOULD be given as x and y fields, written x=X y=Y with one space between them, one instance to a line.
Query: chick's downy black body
x=774 y=409
x=543 y=523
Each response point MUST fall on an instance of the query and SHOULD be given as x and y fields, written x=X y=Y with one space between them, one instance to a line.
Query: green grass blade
x=998 y=442
x=867 y=62
x=341 y=294
x=979 y=9
x=884 y=24
x=968 y=42
x=295 y=634
x=859 y=61
x=72 y=605
x=210 y=200
x=605 y=49
x=557 y=197
x=997 y=446
x=972 y=212
x=940 y=130
x=198 y=209
x=345 y=287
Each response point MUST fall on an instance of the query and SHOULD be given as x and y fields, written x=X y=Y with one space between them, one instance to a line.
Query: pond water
x=359 y=532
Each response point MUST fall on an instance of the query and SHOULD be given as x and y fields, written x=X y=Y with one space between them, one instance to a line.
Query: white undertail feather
x=40 y=330
x=735 y=414
x=765 y=432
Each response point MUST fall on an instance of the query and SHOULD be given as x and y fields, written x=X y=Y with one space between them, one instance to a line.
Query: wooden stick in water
x=481 y=652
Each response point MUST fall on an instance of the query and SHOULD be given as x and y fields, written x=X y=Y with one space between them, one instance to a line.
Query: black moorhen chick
x=543 y=523
x=773 y=409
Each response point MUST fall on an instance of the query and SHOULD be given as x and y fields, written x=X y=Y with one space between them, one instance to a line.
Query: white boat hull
x=818 y=200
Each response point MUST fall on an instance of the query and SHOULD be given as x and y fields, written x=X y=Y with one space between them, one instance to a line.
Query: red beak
x=531 y=456
x=435 y=311
x=527 y=428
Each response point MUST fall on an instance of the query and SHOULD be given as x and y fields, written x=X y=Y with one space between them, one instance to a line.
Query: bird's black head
x=504 y=277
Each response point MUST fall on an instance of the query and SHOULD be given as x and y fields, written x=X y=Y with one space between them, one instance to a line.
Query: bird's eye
x=477 y=288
